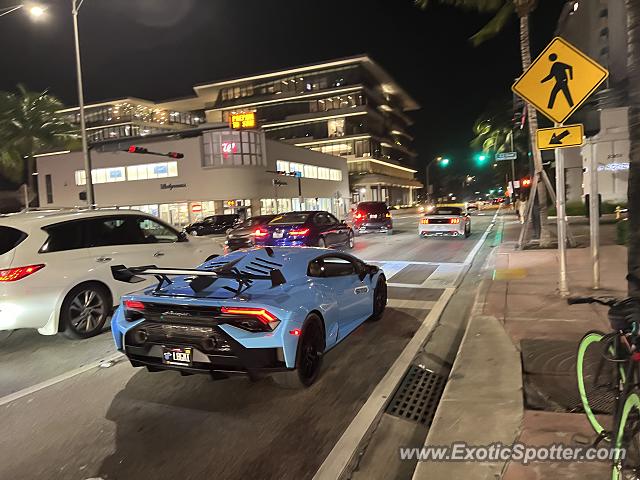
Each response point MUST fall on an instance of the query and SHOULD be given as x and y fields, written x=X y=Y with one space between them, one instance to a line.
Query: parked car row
x=55 y=265
x=245 y=312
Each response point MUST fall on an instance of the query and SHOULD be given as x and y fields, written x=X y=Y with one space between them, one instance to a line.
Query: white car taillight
x=18 y=273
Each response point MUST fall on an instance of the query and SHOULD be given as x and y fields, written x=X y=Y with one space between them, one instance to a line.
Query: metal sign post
x=561 y=221
x=594 y=217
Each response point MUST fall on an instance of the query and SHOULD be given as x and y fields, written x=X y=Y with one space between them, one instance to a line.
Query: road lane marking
x=399 y=303
x=346 y=447
x=60 y=378
x=478 y=245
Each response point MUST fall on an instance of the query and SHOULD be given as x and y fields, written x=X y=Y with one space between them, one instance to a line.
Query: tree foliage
x=28 y=124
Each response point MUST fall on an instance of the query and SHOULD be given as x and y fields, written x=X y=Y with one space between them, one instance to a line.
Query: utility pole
x=75 y=8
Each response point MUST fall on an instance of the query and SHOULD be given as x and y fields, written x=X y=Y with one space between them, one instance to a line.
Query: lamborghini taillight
x=133 y=310
x=252 y=319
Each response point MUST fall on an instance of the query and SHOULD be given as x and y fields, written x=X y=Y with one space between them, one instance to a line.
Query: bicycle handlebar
x=607 y=301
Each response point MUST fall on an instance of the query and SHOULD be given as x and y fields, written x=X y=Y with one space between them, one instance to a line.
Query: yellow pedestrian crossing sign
x=560 y=137
x=560 y=80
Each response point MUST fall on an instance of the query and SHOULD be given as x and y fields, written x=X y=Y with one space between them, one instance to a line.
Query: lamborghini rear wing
x=200 y=279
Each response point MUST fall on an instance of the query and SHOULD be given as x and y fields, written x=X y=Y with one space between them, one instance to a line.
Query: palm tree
x=494 y=132
x=633 y=62
x=29 y=124
x=503 y=10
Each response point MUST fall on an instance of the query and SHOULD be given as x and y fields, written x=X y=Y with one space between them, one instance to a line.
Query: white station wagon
x=55 y=266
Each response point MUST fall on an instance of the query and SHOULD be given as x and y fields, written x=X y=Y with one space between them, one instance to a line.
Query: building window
x=309 y=171
x=49 y=188
x=335 y=127
x=323 y=173
x=232 y=148
x=152 y=170
x=131 y=173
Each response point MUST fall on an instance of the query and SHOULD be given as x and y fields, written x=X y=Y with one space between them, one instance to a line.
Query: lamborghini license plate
x=179 y=356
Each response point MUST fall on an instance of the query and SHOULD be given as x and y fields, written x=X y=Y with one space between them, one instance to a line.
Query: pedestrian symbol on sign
x=560 y=80
x=559 y=73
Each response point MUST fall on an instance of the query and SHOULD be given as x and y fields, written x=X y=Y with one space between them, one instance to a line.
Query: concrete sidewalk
x=514 y=368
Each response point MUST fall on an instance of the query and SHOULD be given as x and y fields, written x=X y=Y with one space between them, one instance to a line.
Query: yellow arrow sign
x=560 y=80
x=560 y=137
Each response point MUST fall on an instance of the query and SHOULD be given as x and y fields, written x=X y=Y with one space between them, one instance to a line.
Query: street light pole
x=75 y=7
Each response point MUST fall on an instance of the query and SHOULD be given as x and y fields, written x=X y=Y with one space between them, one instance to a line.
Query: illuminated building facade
x=350 y=108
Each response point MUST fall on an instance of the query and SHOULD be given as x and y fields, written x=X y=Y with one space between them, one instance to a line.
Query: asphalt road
x=120 y=423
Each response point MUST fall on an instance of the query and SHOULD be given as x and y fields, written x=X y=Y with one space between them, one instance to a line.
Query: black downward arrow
x=557 y=139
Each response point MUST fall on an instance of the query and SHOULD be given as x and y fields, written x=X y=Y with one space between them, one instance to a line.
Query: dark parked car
x=372 y=217
x=310 y=229
x=215 y=224
x=242 y=236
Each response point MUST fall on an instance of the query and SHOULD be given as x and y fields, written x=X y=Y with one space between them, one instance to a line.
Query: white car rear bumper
x=441 y=230
x=32 y=309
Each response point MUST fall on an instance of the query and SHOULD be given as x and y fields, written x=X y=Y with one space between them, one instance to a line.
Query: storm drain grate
x=418 y=395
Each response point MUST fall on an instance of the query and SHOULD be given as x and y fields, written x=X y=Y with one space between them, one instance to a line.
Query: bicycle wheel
x=598 y=378
x=627 y=466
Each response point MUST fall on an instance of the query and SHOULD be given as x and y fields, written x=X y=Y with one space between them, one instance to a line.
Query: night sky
x=159 y=49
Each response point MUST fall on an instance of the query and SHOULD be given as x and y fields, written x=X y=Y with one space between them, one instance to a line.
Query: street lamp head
x=36 y=11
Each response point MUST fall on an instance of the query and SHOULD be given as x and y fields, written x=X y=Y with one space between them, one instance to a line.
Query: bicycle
x=617 y=355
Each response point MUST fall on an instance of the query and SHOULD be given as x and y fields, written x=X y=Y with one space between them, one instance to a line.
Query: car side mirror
x=183 y=236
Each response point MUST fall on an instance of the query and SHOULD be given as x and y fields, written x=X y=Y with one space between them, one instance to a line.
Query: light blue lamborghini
x=265 y=310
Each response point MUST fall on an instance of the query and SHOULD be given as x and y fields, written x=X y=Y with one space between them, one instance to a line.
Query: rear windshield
x=10 y=238
x=372 y=207
x=290 y=218
x=446 y=211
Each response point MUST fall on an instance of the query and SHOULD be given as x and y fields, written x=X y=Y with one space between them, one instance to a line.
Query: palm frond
x=495 y=25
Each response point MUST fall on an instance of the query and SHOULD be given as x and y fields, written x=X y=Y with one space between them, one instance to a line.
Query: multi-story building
x=132 y=117
x=599 y=28
x=350 y=108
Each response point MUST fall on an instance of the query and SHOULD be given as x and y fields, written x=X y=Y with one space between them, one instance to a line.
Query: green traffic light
x=444 y=162
x=481 y=158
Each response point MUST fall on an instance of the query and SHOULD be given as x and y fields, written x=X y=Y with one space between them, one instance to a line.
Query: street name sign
x=560 y=80
x=560 y=137
x=506 y=156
